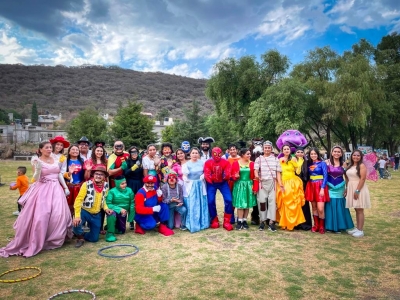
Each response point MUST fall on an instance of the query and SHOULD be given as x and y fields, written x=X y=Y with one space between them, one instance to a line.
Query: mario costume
x=150 y=209
x=217 y=173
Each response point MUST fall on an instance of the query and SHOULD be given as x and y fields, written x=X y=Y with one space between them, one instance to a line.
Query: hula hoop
x=22 y=279
x=100 y=252
x=73 y=291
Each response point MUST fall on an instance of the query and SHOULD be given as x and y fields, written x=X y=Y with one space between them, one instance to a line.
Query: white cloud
x=11 y=51
x=346 y=29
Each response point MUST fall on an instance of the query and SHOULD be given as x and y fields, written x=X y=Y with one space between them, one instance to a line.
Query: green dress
x=243 y=197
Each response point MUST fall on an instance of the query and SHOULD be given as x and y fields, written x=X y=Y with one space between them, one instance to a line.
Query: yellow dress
x=290 y=201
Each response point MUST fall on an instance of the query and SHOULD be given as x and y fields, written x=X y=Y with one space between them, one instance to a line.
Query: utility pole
x=15 y=132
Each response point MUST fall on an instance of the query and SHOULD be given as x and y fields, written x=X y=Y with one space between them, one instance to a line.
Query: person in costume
x=45 y=220
x=134 y=173
x=357 y=193
x=59 y=143
x=116 y=163
x=185 y=146
x=84 y=148
x=232 y=157
x=150 y=209
x=74 y=174
x=256 y=149
x=173 y=196
x=120 y=201
x=98 y=158
x=197 y=217
x=337 y=216
x=217 y=173
x=151 y=163
x=205 y=146
x=90 y=200
x=290 y=196
x=244 y=188
x=167 y=160
x=177 y=168
x=267 y=170
x=317 y=190
x=302 y=172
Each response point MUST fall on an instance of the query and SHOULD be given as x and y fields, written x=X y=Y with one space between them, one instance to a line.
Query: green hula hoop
x=100 y=252
x=22 y=279
x=73 y=291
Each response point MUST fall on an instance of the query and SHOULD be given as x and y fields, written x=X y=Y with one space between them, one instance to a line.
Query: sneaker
x=16 y=213
x=245 y=225
x=183 y=228
x=358 y=234
x=239 y=225
x=262 y=226
x=351 y=232
x=131 y=226
x=79 y=243
x=272 y=227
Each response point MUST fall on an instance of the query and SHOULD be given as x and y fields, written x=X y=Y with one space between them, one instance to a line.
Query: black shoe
x=245 y=225
x=272 y=227
x=239 y=225
x=79 y=243
x=262 y=226
x=131 y=225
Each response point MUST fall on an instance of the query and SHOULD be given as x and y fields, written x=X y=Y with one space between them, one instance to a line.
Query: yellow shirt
x=288 y=169
x=96 y=203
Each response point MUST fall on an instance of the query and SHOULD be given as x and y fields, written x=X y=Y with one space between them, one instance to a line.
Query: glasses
x=98 y=174
x=84 y=145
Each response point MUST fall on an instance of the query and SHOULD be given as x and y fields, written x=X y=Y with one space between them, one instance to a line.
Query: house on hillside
x=48 y=120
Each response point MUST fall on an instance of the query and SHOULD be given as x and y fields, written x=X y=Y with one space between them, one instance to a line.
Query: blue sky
x=184 y=37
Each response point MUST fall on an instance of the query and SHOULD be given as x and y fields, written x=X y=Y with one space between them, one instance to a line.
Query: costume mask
x=216 y=154
x=185 y=146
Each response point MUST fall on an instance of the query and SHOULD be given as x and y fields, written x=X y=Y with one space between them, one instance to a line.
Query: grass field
x=216 y=264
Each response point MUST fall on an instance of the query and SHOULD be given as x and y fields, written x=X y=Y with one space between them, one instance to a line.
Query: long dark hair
x=352 y=163
x=79 y=155
x=309 y=160
x=287 y=145
x=341 y=159
x=103 y=158
x=41 y=145
x=176 y=155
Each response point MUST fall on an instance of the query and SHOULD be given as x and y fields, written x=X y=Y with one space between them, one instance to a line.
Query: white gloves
x=38 y=170
x=156 y=208
x=66 y=191
x=159 y=192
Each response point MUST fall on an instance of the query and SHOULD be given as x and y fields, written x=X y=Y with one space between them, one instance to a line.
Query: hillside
x=71 y=89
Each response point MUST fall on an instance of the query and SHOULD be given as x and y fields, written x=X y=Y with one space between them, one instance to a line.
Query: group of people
x=73 y=194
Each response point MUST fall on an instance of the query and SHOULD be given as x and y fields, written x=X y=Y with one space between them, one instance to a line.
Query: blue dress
x=337 y=216
x=196 y=203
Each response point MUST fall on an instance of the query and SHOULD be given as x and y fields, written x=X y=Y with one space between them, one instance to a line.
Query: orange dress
x=289 y=202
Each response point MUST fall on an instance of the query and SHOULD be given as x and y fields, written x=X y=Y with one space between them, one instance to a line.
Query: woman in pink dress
x=45 y=220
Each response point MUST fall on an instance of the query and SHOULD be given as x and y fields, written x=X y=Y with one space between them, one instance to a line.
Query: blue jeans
x=381 y=172
x=396 y=166
x=181 y=210
x=93 y=221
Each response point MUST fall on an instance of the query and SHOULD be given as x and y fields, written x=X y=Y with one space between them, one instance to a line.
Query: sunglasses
x=133 y=152
x=119 y=146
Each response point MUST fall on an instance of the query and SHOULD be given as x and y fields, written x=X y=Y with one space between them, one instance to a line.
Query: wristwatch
x=357 y=191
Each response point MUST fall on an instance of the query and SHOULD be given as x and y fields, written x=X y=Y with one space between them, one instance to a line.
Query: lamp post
x=15 y=132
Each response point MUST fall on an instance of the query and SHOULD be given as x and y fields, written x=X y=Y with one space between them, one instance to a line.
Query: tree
x=133 y=128
x=162 y=114
x=4 y=119
x=34 y=116
x=88 y=123
x=189 y=129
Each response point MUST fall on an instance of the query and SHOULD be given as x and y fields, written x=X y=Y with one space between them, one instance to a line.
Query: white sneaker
x=358 y=234
x=16 y=213
x=352 y=231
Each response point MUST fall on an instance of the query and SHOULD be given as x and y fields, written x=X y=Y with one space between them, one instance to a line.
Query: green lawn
x=216 y=264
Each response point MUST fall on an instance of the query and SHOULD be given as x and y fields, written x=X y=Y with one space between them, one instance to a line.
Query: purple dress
x=45 y=220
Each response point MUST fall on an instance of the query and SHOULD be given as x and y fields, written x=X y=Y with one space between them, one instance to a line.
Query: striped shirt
x=269 y=166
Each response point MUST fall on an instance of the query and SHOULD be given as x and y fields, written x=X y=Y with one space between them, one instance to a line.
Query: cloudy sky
x=185 y=37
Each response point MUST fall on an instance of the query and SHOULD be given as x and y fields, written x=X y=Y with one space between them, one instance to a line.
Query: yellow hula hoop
x=22 y=279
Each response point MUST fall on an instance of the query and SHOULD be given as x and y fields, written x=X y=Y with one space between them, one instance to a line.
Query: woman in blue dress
x=337 y=216
x=197 y=217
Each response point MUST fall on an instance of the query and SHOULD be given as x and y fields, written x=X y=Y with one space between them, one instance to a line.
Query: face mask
x=216 y=154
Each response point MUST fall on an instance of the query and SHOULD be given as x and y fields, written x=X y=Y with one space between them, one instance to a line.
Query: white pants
x=266 y=194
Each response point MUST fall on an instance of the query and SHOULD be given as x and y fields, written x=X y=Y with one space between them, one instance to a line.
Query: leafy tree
x=4 y=119
x=88 y=123
x=162 y=114
x=189 y=129
x=34 y=116
x=133 y=128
